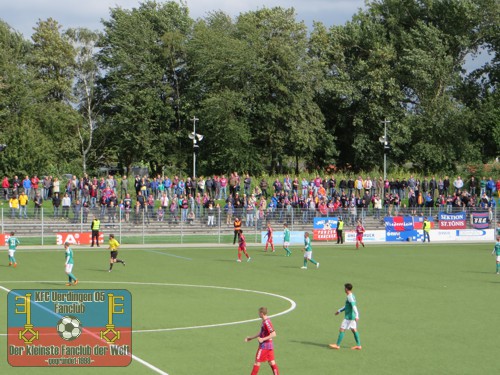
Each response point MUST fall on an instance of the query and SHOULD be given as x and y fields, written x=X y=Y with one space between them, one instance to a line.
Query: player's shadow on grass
x=310 y=343
x=97 y=269
x=466 y=271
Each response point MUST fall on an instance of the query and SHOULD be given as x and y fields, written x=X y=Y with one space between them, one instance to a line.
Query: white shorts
x=308 y=255
x=498 y=257
x=348 y=324
x=12 y=252
x=69 y=268
x=286 y=244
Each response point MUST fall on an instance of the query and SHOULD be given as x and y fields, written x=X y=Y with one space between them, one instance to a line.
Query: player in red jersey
x=242 y=246
x=360 y=229
x=269 y=236
x=265 y=353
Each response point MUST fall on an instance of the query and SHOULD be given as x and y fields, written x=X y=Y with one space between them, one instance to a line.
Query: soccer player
x=350 y=320
x=265 y=353
x=113 y=246
x=308 y=252
x=360 y=229
x=496 y=251
x=269 y=236
x=242 y=247
x=72 y=280
x=12 y=242
x=237 y=228
x=286 y=240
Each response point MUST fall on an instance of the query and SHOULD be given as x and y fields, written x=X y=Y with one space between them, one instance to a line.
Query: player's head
x=498 y=237
x=262 y=311
x=111 y=235
x=66 y=244
x=12 y=233
x=285 y=225
x=348 y=287
x=240 y=232
x=306 y=234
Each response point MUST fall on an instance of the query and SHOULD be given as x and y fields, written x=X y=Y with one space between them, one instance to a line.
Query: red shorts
x=270 y=240
x=359 y=237
x=242 y=248
x=264 y=355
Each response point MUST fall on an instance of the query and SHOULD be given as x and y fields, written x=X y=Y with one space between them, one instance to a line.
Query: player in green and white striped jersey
x=496 y=251
x=350 y=320
x=308 y=252
x=286 y=240
x=12 y=242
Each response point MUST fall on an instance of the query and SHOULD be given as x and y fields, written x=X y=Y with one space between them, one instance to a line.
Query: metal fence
x=143 y=226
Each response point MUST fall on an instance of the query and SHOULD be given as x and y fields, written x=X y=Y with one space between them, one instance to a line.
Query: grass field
x=425 y=309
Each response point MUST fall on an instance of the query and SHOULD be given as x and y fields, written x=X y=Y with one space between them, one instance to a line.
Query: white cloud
x=23 y=15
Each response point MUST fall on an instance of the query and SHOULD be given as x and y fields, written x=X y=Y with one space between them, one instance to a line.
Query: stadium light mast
x=196 y=138
x=386 y=144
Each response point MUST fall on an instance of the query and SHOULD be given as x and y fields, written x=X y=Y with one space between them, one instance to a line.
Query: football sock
x=498 y=266
x=341 y=336
x=272 y=247
x=275 y=369
x=13 y=260
x=239 y=255
x=248 y=256
x=313 y=261
x=111 y=266
x=305 y=262
x=356 y=337
x=120 y=261
x=255 y=370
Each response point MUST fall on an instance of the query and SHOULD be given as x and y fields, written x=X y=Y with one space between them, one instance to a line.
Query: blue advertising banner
x=400 y=228
x=325 y=222
x=480 y=220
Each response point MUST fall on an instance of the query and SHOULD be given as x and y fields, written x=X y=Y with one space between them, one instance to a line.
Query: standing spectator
x=35 y=181
x=123 y=187
x=46 y=183
x=433 y=186
x=23 y=205
x=247 y=185
x=472 y=186
x=14 y=206
x=446 y=185
x=223 y=188
x=38 y=201
x=5 y=187
x=56 y=202
x=66 y=204
x=458 y=184
x=27 y=186
x=15 y=185
x=201 y=185
x=490 y=187
x=263 y=187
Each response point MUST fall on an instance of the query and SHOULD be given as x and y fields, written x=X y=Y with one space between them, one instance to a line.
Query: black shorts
x=114 y=254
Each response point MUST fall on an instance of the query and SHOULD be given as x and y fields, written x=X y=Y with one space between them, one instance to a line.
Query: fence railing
x=143 y=226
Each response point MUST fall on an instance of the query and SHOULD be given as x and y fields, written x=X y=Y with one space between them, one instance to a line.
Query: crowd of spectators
x=218 y=198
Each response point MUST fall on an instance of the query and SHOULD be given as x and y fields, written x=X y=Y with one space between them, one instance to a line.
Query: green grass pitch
x=425 y=309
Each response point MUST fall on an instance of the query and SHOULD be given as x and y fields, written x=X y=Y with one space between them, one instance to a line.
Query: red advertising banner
x=76 y=238
x=325 y=235
x=3 y=238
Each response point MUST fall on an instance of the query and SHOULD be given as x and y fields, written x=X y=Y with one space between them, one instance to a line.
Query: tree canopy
x=271 y=95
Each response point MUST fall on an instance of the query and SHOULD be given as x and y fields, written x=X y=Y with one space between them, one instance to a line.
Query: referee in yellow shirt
x=113 y=246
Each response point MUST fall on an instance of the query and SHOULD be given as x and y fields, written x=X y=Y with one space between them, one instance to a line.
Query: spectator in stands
x=23 y=205
x=5 y=187
x=15 y=185
x=27 y=186
x=458 y=184
x=38 y=202
x=472 y=186
x=56 y=203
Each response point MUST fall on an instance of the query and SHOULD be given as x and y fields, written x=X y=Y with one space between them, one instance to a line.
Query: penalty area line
x=134 y=357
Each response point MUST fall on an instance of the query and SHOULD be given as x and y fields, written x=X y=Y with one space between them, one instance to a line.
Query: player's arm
x=250 y=338
x=269 y=337
x=340 y=310
x=356 y=312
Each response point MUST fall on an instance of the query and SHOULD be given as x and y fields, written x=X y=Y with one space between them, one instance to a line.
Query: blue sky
x=22 y=15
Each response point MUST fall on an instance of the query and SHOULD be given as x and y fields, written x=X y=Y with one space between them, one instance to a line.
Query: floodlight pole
x=385 y=122
x=194 y=145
